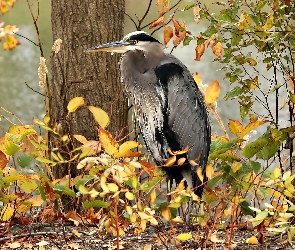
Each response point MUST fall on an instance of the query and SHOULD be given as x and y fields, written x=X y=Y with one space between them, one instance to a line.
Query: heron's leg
x=169 y=188
x=189 y=211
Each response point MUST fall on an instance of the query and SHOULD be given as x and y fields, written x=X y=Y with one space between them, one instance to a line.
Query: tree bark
x=95 y=76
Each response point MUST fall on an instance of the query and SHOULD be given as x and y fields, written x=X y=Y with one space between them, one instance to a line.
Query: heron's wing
x=186 y=119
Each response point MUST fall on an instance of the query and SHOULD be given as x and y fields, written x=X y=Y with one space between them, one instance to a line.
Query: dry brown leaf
x=168 y=34
x=200 y=49
x=217 y=49
x=290 y=78
x=157 y=22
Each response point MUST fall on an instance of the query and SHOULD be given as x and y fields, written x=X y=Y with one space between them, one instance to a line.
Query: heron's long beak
x=117 y=47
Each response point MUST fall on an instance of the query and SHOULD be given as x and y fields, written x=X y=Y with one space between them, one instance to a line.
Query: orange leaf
x=250 y=127
x=209 y=171
x=75 y=103
x=81 y=139
x=166 y=213
x=217 y=49
x=170 y=161
x=107 y=142
x=3 y=160
x=157 y=22
x=235 y=127
x=200 y=174
x=196 y=11
x=168 y=34
x=212 y=92
x=181 y=161
x=200 y=49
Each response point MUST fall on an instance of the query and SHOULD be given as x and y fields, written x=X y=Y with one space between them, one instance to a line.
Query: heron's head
x=137 y=40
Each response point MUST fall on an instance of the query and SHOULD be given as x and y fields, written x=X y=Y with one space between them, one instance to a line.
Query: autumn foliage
x=250 y=174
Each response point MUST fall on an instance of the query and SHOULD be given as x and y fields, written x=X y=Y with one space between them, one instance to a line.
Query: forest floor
x=68 y=236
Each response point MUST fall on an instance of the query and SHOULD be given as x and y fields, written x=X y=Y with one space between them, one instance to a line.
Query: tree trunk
x=95 y=76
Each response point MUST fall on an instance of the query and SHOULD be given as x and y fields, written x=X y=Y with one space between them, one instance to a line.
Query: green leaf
x=97 y=203
x=269 y=151
x=189 y=6
x=59 y=187
x=254 y=147
x=24 y=160
x=260 y=5
x=245 y=208
x=187 y=40
x=256 y=166
x=236 y=91
x=244 y=109
x=44 y=160
x=133 y=182
x=148 y=185
x=10 y=148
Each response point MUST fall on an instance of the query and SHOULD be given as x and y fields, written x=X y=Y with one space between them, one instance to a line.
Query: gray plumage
x=169 y=107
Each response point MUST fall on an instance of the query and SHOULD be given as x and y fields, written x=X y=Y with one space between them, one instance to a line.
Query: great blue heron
x=169 y=107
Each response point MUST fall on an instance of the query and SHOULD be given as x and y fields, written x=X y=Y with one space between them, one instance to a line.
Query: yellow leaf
x=252 y=240
x=124 y=150
x=174 y=205
x=103 y=185
x=212 y=92
x=184 y=236
x=277 y=172
x=129 y=196
x=153 y=197
x=153 y=221
x=129 y=210
x=166 y=213
x=7 y=212
x=133 y=218
x=75 y=232
x=209 y=171
x=251 y=126
x=107 y=141
x=83 y=190
x=236 y=166
x=27 y=185
x=143 y=225
x=197 y=78
x=100 y=116
x=143 y=215
x=113 y=187
x=235 y=127
x=269 y=23
x=177 y=220
x=75 y=103
x=200 y=174
x=14 y=245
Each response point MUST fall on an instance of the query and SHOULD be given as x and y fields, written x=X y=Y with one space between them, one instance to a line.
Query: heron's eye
x=135 y=41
